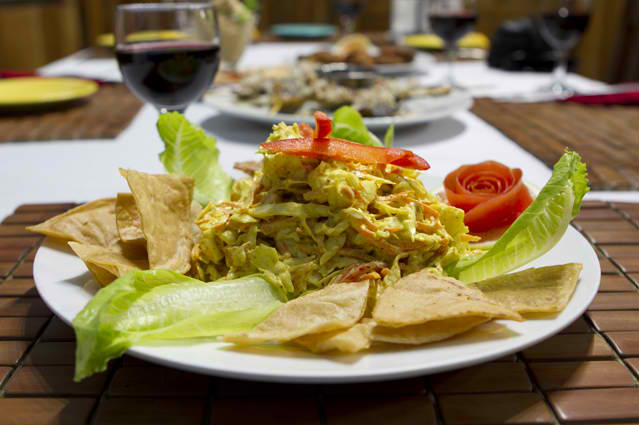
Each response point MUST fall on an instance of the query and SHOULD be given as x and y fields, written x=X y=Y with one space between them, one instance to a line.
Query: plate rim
x=336 y=375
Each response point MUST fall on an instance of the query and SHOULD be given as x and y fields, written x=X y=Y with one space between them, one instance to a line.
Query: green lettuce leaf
x=389 y=137
x=537 y=229
x=190 y=152
x=149 y=305
x=349 y=125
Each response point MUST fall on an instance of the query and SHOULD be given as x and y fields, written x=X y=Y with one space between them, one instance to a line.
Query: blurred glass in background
x=561 y=24
x=451 y=20
x=237 y=21
x=347 y=12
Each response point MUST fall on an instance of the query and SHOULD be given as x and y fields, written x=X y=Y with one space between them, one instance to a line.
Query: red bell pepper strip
x=323 y=125
x=305 y=129
x=344 y=150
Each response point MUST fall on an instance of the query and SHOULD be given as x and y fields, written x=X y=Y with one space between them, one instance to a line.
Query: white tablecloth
x=81 y=170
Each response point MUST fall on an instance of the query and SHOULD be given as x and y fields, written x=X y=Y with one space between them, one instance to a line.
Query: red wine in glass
x=348 y=8
x=452 y=26
x=169 y=74
x=348 y=11
x=564 y=28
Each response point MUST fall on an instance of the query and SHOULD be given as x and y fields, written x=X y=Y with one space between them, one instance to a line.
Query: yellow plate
x=105 y=40
x=20 y=92
x=433 y=42
x=108 y=40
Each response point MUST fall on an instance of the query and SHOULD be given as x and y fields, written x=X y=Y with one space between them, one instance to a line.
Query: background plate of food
x=291 y=94
x=386 y=58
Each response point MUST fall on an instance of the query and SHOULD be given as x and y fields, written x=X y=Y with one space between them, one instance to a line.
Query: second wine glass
x=451 y=20
x=561 y=24
x=168 y=53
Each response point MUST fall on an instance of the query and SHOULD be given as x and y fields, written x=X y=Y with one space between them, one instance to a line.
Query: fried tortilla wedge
x=336 y=306
x=432 y=331
x=129 y=223
x=423 y=297
x=164 y=204
x=107 y=264
x=351 y=340
x=92 y=223
x=534 y=290
x=127 y=218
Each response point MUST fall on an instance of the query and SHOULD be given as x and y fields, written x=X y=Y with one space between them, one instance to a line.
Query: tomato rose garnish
x=491 y=194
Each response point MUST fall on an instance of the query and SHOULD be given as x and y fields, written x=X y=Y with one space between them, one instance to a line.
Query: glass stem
x=560 y=72
x=164 y=110
x=348 y=24
x=451 y=52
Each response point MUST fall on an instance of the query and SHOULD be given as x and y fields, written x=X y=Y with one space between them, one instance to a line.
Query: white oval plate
x=61 y=279
x=418 y=111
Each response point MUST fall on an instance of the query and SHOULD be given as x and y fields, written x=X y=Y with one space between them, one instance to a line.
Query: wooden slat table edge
x=521 y=384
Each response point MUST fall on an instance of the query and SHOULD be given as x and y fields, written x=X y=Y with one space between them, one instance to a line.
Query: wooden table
x=586 y=374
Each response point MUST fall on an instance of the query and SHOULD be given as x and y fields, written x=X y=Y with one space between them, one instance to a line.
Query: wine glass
x=237 y=25
x=561 y=24
x=168 y=53
x=451 y=20
x=347 y=12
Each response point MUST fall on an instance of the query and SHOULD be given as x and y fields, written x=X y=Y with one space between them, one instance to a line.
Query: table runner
x=103 y=116
x=588 y=373
x=605 y=136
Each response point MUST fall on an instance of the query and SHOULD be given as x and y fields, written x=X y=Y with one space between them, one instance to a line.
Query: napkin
x=9 y=73
x=621 y=98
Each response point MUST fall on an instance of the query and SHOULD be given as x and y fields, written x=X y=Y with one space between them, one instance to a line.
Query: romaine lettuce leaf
x=189 y=151
x=349 y=125
x=537 y=229
x=143 y=306
x=389 y=136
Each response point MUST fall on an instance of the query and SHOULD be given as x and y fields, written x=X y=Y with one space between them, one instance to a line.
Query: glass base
x=165 y=110
x=452 y=83
x=230 y=67
x=558 y=88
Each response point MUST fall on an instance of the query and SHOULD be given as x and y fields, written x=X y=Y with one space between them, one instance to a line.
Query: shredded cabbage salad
x=301 y=221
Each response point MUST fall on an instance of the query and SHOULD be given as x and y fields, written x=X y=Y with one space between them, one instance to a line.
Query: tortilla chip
x=336 y=306
x=422 y=297
x=249 y=167
x=102 y=276
x=164 y=203
x=107 y=264
x=92 y=223
x=196 y=209
x=127 y=218
x=435 y=330
x=129 y=223
x=356 y=338
x=534 y=290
